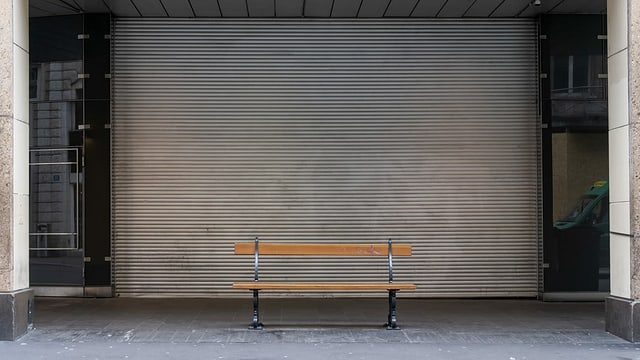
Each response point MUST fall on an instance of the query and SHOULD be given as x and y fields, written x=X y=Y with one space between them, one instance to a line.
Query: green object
x=591 y=210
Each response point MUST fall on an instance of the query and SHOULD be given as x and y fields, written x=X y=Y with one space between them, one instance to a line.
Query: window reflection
x=583 y=203
x=56 y=143
x=54 y=194
x=576 y=248
x=577 y=76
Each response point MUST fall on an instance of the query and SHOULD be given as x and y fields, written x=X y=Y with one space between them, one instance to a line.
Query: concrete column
x=623 y=306
x=15 y=296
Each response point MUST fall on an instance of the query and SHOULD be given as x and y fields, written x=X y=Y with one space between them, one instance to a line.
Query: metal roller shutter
x=423 y=131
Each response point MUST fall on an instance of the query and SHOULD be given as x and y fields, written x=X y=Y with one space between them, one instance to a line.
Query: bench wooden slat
x=268 y=285
x=274 y=248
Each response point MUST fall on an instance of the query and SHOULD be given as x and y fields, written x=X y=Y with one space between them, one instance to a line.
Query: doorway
x=55 y=244
x=69 y=93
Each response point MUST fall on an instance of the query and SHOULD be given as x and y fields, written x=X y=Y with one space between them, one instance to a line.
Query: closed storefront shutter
x=422 y=131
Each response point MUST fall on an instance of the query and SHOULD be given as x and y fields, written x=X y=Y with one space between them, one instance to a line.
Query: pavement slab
x=126 y=328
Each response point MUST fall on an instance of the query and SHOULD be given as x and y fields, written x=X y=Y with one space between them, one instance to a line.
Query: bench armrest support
x=390 y=256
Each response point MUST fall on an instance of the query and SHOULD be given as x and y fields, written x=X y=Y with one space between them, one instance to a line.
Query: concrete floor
x=119 y=328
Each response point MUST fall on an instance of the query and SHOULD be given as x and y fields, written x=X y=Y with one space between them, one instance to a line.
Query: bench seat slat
x=268 y=285
x=274 y=248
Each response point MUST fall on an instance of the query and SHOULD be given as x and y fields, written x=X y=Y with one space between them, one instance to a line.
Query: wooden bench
x=258 y=248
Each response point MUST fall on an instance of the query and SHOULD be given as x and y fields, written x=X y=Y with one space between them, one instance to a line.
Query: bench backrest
x=258 y=248
x=311 y=249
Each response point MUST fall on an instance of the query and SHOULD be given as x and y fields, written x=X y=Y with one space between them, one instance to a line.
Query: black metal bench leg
x=392 y=321
x=255 y=323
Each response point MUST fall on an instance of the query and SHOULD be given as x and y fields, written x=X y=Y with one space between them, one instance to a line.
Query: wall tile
x=20 y=84
x=21 y=23
x=616 y=25
x=20 y=158
x=618 y=90
x=620 y=219
x=620 y=256
x=619 y=164
x=20 y=241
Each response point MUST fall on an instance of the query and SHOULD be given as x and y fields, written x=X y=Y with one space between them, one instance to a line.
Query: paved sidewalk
x=316 y=329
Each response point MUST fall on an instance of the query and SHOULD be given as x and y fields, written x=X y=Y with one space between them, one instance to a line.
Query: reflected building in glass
x=56 y=148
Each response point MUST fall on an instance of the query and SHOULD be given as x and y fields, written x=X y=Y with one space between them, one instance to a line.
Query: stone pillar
x=623 y=306
x=15 y=297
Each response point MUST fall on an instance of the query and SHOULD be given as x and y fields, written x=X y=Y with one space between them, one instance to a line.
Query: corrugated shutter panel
x=423 y=131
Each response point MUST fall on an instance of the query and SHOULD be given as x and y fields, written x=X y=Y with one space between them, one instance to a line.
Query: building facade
x=162 y=134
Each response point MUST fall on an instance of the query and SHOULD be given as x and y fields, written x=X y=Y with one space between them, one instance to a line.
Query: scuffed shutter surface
x=423 y=131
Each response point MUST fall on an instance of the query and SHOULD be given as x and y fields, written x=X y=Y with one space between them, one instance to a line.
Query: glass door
x=56 y=257
x=56 y=96
x=576 y=239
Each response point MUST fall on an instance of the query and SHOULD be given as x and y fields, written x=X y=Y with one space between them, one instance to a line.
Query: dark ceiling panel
x=205 y=8
x=35 y=12
x=428 y=8
x=581 y=7
x=373 y=8
x=178 y=8
x=54 y=7
x=455 y=8
x=545 y=6
x=123 y=8
x=482 y=8
x=346 y=8
x=150 y=8
x=261 y=8
x=318 y=8
x=93 y=6
x=510 y=8
x=233 y=8
x=401 y=8
x=289 y=8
